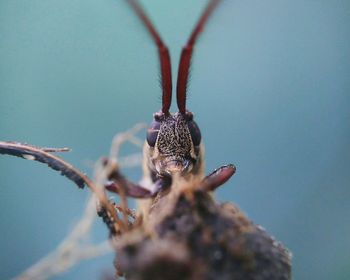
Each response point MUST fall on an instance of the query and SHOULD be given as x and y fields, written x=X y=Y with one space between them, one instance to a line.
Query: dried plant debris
x=197 y=238
x=76 y=245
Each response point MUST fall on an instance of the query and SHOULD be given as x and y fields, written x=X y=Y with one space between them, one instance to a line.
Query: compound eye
x=152 y=133
x=195 y=132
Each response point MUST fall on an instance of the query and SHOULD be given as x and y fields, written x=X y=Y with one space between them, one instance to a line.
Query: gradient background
x=270 y=89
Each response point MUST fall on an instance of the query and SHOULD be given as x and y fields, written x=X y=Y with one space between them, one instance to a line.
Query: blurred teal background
x=270 y=89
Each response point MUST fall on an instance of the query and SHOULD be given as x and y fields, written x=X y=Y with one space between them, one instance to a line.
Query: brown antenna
x=186 y=54
x=164 y=57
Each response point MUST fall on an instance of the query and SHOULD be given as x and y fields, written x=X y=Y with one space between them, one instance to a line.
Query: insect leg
x=131 y=189
x=44 y=155
x=218 y=177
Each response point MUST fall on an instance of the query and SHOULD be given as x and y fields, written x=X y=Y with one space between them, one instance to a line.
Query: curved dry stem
x=124 y=137
x=71 y=250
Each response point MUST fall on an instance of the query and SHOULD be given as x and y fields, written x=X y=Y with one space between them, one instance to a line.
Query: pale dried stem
x=75 y=246
x=71 y=250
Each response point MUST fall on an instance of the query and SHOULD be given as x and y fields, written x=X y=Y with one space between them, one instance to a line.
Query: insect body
x=174 y=142
x=173 y=147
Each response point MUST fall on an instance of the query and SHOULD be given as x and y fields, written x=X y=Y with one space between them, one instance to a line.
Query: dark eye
x=195 y=132
x=152 y=133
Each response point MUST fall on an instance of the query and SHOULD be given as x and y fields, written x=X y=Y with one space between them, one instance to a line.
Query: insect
x=173 y=149
x=173 y=153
